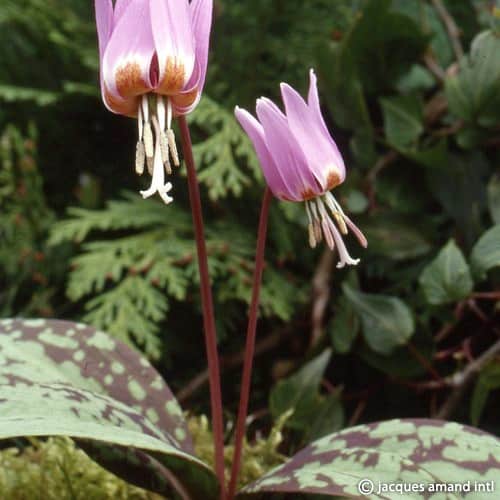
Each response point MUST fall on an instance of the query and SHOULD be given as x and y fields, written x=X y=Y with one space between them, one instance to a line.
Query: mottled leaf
x=300 y=392
x=396 y=451
x=387 y=321
x=48 y=351
x=403 y=120
x=486 y=252
x=447 y=278
x=70 y=364
x=52 y=409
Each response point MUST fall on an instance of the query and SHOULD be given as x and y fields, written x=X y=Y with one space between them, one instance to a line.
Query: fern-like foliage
x=220 y=153
x=147 y=260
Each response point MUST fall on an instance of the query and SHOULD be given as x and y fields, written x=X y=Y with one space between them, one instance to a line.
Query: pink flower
x=301 y=162
x=153 y=56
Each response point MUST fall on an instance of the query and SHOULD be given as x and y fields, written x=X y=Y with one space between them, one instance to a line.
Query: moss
x=54 y=469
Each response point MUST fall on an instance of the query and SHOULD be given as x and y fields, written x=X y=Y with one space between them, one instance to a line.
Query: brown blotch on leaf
x=173 y=80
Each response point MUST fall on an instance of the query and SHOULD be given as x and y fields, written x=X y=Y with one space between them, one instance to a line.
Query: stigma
x=156 y=147
x=328 y=221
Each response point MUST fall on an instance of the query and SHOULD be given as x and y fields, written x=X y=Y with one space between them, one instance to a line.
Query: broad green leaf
x=474 y=93
x=387 y=321
x=60 y=357
x=447 y=278
x=300 y=392
x=52 y=351
x=328 y=417
x=395 y=238
x=486 y=252
x=488 y=380
x=395 y=451
x=29 y=408
x=494 y=198
x=344 y=327
x=403 y=120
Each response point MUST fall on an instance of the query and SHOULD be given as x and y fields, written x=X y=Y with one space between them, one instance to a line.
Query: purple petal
x=286 y=152
x=321 y=152
x=175 y=44
x=274 y=179
x=120 y=8
x=313 y=102
x=128 y=55
x=104 y=21
x=201 y=18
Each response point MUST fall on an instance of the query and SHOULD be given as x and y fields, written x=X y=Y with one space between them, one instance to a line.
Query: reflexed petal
x=120 y=7
x=313 y=103
x=104 y=21
x=274 y=179
x=201 y=19
x=322 y=154
x=127 y=59
x=286 y=152
x=175 y=44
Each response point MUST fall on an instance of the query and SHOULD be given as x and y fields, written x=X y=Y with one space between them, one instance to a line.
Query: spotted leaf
x=60 y=351
x=427 y=452
x=63 y=378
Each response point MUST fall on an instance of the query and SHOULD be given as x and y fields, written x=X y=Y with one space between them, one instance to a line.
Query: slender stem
x=207 y=304
x=250 y=343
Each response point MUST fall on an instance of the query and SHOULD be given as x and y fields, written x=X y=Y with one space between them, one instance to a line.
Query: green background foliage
x=419 y=127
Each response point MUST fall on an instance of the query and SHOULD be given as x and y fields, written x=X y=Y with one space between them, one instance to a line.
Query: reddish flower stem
x=250 y=344
x=207 y=305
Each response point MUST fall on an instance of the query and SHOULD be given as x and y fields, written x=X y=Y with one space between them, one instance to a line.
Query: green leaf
x=403 y=120
x=52 y=409
x=474 y=93
x=395 y=238
x=344 y=327
x=387 y=321
x=48 y=356
x=494 y=198
x=395 y=451
x=300 y=392
x=488 y=381
x=486 y=252
x=447 y=278
x=328 y=417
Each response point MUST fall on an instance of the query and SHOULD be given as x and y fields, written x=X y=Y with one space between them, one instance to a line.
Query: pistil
x=323 y=224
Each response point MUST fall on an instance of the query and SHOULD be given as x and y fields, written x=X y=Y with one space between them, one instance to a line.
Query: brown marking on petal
x=127 y=107
x=185 y=100
x=332 y=180
x=308 y=194
x=129 y=80
x=174 y=77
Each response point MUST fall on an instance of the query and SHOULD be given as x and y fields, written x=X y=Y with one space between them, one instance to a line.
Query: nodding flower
x=153 y=63
x=302 y=163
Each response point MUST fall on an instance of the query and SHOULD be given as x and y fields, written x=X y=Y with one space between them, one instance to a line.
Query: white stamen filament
x=320 y=221
x=158 y=180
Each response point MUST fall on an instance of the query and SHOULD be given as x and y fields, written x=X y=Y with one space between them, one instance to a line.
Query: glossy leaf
x=486 y=252
x=409 y=451
x=344 y=327
x=387 y=321
x=494 y=198
x=488 y=381
x=447 y=278
x=474 y=93
x=300 y=392
x=63 y=378
x=52 y=351
x=52 y=409
x=403 y=120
